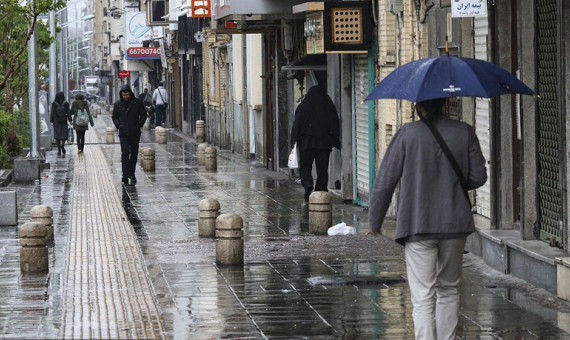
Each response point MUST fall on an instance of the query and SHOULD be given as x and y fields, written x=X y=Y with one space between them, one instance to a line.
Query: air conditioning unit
x=394 y=6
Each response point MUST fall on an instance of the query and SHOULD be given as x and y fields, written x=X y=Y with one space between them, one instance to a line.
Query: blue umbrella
x=447 y=76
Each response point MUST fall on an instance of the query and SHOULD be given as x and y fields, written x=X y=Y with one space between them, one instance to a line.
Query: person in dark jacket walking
x=129 y=117
x=59 y=119
x=316 y=130
x=80 y=104
x=434 y=215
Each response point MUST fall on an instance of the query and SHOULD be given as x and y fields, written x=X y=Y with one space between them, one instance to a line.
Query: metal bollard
x=208 y=211
x=44 y=215
x=320 y=212
x=229 y=239
x=201 y=153
x=147 y=159
x=160 y=135
x=110 y=135
x=210 y=158
x=33 y=251
x=200 y=133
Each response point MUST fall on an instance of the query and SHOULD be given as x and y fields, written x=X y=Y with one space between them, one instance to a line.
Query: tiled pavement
x=128 y=263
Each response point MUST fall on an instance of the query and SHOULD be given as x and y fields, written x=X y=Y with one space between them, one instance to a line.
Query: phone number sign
x=137 y=53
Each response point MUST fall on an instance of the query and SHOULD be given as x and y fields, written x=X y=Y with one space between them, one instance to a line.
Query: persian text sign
x=468 y=8
x=201 y=9
x=143 y=53
x=124 y=74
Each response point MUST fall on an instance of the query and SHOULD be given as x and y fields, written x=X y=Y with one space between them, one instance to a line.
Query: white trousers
x=434 y=274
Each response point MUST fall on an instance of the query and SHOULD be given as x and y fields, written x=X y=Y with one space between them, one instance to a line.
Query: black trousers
x=321 y=159
x=129 y=154
x=80 y=139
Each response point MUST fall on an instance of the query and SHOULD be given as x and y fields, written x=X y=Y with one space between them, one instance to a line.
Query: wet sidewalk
x=128 y=262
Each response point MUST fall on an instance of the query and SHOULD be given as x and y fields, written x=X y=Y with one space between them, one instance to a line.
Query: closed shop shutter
x=482 y=119
x=361 y=141
x=549 y=125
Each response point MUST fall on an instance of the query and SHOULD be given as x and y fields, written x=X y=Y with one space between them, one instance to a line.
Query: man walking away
x=129 y=117
x=160 y=101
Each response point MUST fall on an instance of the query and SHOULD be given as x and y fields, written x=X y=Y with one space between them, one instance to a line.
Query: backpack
x=60 y=114
x=82 y=118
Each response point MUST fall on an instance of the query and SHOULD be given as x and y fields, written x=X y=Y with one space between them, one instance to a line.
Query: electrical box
x=394 y=6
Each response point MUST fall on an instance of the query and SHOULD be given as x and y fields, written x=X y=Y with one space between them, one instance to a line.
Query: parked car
x=88 y=96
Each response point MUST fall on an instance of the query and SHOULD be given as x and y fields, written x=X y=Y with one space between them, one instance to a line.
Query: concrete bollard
x=208 y=211
x=44 y=215
x=320 y=212
x=201 y=153
x=147 y=159
x=210 y=161
x=200 y=133
x=33 y=251
x=229 y=239
x=160 y=135
x=110 y=135
x=146 y=125
x=8 y=206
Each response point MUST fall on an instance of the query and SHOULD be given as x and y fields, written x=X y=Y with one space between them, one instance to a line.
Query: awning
x=317 y=62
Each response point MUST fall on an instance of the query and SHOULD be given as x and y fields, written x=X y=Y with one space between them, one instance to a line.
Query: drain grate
x=357 y=280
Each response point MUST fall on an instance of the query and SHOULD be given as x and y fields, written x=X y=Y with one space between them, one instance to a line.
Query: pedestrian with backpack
x=81 y=119
x=59 y=117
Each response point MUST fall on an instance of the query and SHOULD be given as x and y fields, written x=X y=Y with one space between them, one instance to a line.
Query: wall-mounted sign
x=138 y=31
x=201 y=9
x=124 y=74
x=468 y=8
x=143 y=53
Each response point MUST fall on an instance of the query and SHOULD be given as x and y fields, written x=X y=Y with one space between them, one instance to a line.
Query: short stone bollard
x=201 y=153
x=147 y=159
x=160 y=135
x=8 y=206
x=211 y=161
x=208 y=211
x=320 y=212
x=33 y=251
x=200 y=133
x=110 y=135
x=146 y=125
x=229 y=239
x=44 y=215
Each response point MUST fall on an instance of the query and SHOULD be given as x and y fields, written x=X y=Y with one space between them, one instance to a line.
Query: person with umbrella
x=436 y=160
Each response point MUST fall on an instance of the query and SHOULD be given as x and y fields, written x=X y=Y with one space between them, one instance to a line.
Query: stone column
x=229 y=239
x=320 y=212
x=211 y=158
x=147 y=159
x=44 y=215
x=160 y=135
x=33 y=251
x=209 y=210
x=200 y=133
x=110 y=135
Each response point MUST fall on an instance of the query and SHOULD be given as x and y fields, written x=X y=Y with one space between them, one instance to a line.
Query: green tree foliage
x=17 y=20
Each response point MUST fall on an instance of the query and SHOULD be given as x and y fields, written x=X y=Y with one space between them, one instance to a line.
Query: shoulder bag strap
x=450 y=158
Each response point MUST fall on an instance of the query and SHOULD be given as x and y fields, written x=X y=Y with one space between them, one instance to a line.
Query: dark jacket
x=129 y=116
x=79 y=104
x=59 y=129
x=431 y=203
x=316 y=124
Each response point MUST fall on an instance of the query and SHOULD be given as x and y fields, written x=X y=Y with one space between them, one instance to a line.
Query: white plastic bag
x=293 y=158
x=341 y=229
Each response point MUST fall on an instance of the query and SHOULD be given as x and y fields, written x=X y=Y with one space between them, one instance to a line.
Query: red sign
x=143 y=53
x=124 y=74
x=201 y=9
x=230 y=24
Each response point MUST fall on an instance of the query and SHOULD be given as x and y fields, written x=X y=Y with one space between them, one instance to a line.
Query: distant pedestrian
x=434 y=215
x=129 y=117
x=59 y=117
x=160 y=101
x=146 y=99
x=316 y=130
x=79 y=108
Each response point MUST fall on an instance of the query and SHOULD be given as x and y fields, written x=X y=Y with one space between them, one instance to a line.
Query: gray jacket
x=432 y=204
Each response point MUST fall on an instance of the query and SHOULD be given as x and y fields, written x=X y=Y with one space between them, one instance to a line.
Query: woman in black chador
x=59 y=117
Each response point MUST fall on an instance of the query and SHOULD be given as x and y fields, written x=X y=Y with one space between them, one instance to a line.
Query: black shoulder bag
x=449 y=156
